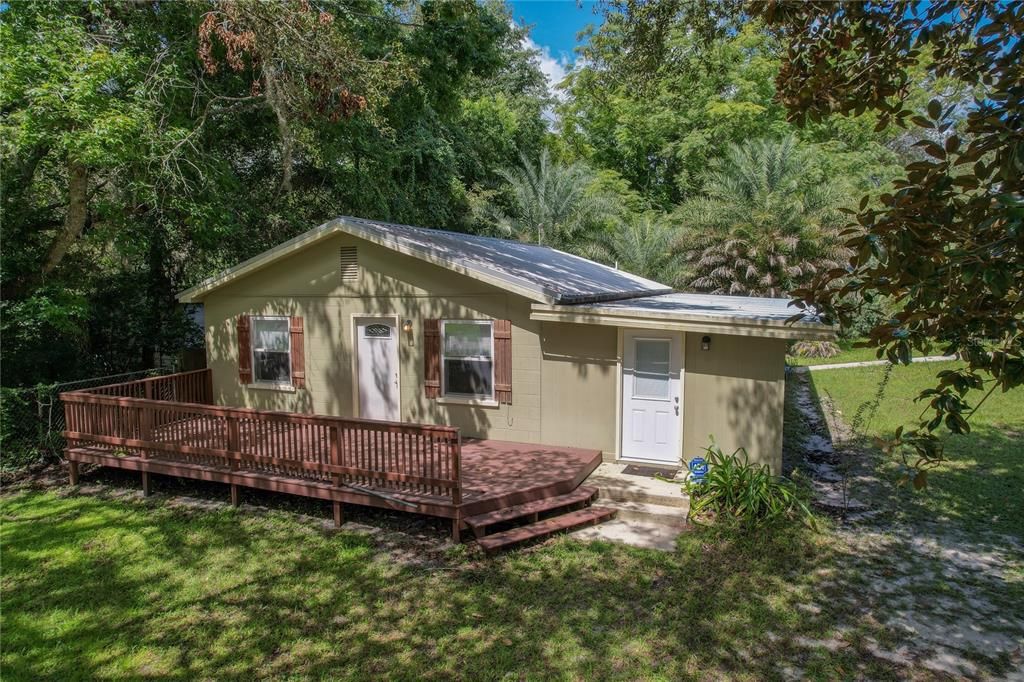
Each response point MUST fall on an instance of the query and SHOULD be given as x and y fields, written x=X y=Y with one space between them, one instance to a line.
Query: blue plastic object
x=698 y=469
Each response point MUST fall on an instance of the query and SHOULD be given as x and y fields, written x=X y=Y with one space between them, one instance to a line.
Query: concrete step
x=480 y=522
x=613 y=484
x=611 y=489
x=549 y=526
x=647 y=512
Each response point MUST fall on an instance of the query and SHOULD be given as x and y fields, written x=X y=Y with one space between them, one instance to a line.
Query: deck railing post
x=145 y=422
x=336 y=436
x=208 y=386
x=456 y=454
x=457 y=470
x=234 y=438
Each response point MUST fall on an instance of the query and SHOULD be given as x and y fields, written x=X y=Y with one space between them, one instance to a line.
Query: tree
x=549 y=203
x=146 y=146
x=767 y=223
x=644 y=245
x=949 y=241
x=664 y=88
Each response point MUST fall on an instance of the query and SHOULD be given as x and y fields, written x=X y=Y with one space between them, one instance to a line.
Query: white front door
x=377 y=367
x=652 y=396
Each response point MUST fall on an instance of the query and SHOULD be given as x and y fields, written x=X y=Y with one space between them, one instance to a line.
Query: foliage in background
x=643 y=245
x=550 y=203
x=736 y=489
x=948 y=242
x=768 y=223
x=147 y=145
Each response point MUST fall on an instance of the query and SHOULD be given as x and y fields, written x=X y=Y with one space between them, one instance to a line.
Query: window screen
x=468 y=358
x=271 y=350
x=651 y=372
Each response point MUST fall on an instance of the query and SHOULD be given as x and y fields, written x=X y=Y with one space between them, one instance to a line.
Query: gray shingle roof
x=552 y=275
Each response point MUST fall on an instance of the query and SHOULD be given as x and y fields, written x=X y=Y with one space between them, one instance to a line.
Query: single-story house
x=506 y=340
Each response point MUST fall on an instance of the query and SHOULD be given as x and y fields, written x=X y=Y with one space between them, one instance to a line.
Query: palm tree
x=766 y=225
x=643 y=245
x=548 y=203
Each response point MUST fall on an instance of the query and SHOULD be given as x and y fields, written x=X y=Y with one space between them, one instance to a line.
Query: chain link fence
x=32 y=419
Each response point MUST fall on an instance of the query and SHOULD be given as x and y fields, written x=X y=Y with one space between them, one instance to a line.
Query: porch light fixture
x=705 y=343
x=407 y=328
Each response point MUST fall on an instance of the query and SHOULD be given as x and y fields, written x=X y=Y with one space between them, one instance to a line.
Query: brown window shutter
x=503 y=361
x=298 y=354
x=432 y=358
x=244 y=350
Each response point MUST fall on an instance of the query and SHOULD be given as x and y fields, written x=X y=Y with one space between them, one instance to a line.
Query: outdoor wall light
x=705 y=343
x=407 y=326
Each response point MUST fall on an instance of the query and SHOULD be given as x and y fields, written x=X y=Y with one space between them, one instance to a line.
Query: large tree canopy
x=948 y=242
x=146 y=145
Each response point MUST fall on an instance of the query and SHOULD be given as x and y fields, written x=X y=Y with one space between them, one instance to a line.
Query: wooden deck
x=166 y=425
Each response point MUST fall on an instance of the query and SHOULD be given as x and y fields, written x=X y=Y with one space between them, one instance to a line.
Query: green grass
x=99 y=588
x=980 y=483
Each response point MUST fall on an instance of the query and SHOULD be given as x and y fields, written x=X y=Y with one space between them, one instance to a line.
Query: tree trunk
x=273 y=96
x=74 y=220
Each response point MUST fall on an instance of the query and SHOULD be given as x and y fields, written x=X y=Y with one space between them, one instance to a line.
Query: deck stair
x=582 y=496
x=570 y=510
x=545 y=527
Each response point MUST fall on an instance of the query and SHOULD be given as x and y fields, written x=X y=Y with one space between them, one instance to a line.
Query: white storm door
x=377 y=367
x=651 y=396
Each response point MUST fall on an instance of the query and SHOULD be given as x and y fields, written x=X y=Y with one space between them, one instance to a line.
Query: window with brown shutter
x=244 y=350
x=503 y=361
x=298 y=356
x=432 y=358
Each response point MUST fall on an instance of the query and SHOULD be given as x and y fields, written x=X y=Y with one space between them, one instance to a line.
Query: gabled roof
x=538 y=273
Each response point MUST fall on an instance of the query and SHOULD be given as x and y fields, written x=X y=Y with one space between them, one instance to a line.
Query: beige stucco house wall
x=565 y=376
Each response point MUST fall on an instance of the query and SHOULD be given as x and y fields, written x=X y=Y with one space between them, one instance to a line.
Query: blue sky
x=555 y=24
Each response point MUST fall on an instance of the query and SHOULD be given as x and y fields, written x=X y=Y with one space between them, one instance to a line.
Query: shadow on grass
x=977 y=485
x=99 y=588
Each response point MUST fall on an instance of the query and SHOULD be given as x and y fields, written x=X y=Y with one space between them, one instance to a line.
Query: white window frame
x=483 y=398
x=253 y=350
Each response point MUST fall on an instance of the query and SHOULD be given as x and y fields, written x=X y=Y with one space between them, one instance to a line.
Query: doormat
x=649 y=471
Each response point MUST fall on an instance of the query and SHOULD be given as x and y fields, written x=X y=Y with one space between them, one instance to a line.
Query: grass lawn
x=980 y=483
x=104 y=588
x=115 y=586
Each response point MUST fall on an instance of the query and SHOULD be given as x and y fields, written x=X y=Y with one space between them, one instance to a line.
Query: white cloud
x=554 y=69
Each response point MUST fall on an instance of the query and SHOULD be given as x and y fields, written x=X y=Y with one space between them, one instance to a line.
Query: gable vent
x=349 y=264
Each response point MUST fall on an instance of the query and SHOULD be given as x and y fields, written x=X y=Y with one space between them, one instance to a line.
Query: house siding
x=565 y=376
x=308 y=283
x=735 y=392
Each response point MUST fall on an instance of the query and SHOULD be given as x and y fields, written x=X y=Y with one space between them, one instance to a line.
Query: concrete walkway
x=866 y=363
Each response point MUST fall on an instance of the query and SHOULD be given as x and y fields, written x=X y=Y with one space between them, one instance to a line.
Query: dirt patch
x=941 y=600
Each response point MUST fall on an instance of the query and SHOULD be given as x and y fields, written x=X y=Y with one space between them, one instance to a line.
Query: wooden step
x=479 y=522
x=581 y=517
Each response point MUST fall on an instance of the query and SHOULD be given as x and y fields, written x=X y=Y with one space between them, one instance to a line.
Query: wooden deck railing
x=184 y=387
x=171 y=418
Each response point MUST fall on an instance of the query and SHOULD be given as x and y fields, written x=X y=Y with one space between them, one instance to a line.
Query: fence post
x=456 y=454
x=208 y=386
x=337 y=445
x=234 y=444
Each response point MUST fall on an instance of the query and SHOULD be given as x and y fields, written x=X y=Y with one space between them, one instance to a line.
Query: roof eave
x=537 y=294
x=719 y=324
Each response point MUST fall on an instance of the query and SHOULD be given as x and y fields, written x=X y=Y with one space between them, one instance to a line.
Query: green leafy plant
x=740 y=490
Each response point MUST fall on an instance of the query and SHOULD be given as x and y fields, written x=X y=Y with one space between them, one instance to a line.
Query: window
x=271 y=350
x=467 y=358
x=652 y=375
